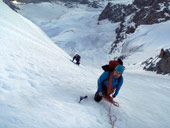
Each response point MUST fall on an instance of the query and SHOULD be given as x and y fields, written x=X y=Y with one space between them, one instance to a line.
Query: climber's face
x=117 y=74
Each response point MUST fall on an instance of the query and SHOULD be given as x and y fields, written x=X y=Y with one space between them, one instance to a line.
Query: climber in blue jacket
x=115 y=79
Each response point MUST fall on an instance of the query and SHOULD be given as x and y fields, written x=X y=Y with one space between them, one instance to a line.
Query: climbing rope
x=111 y=116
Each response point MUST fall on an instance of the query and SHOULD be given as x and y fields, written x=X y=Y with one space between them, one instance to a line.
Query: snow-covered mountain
x=133 y=15
x=77 y=30
x=64 y=27
x=40 y=86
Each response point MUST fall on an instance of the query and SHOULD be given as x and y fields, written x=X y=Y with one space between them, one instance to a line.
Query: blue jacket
x=114 y=82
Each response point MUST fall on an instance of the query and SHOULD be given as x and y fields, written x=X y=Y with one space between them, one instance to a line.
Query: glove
x=114 y=96
x=100 y=94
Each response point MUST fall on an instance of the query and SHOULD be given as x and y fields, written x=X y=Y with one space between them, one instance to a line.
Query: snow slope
x=40 y=86
x=146 y=42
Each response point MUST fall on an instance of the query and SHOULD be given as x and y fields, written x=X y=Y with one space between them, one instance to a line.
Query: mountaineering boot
x=97 y=97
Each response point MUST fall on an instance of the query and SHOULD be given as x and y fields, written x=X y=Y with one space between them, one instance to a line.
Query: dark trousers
x=78 y=61
x=97 y=97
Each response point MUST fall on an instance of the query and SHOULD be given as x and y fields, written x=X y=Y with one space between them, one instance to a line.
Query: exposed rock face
x=10 y=5
x=160 y=64
x=140 y=3
x=156 y=12
x=33 y=1
x=141 y=12
x=94 y=4
x=116 y=13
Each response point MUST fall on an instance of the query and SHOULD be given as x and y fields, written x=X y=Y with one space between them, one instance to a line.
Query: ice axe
x=82 y=97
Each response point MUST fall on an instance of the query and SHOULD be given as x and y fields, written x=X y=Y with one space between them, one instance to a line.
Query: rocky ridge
x=140 y=12
x=69 y=3
x=159 y=64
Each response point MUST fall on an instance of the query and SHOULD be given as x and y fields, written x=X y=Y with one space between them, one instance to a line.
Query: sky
x=41 y=87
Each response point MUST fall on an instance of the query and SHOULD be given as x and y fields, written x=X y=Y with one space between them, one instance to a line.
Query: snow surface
x=146 y=42
x=75 y=30
x=40 y=86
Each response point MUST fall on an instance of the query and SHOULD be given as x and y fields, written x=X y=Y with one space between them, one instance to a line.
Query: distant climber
x=109 y=82
x=77 y=58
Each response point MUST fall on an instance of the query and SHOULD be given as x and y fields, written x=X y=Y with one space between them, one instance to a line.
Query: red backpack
x=111 y=66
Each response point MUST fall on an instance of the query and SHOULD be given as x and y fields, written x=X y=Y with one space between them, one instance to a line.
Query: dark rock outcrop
x=116 y=13
x=160 y=64
x=12 y=6
x=8 y=2
x=152 y=14
x=33 y=1
x=69 y=3
x=143 y=3
x=141 y=12
x=94 y=4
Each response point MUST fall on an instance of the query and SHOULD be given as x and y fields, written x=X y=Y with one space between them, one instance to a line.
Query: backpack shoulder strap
x=119 y=79
x=109 y=86
x=109 y=78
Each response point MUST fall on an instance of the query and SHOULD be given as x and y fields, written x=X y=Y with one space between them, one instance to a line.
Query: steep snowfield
x=40 y=86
